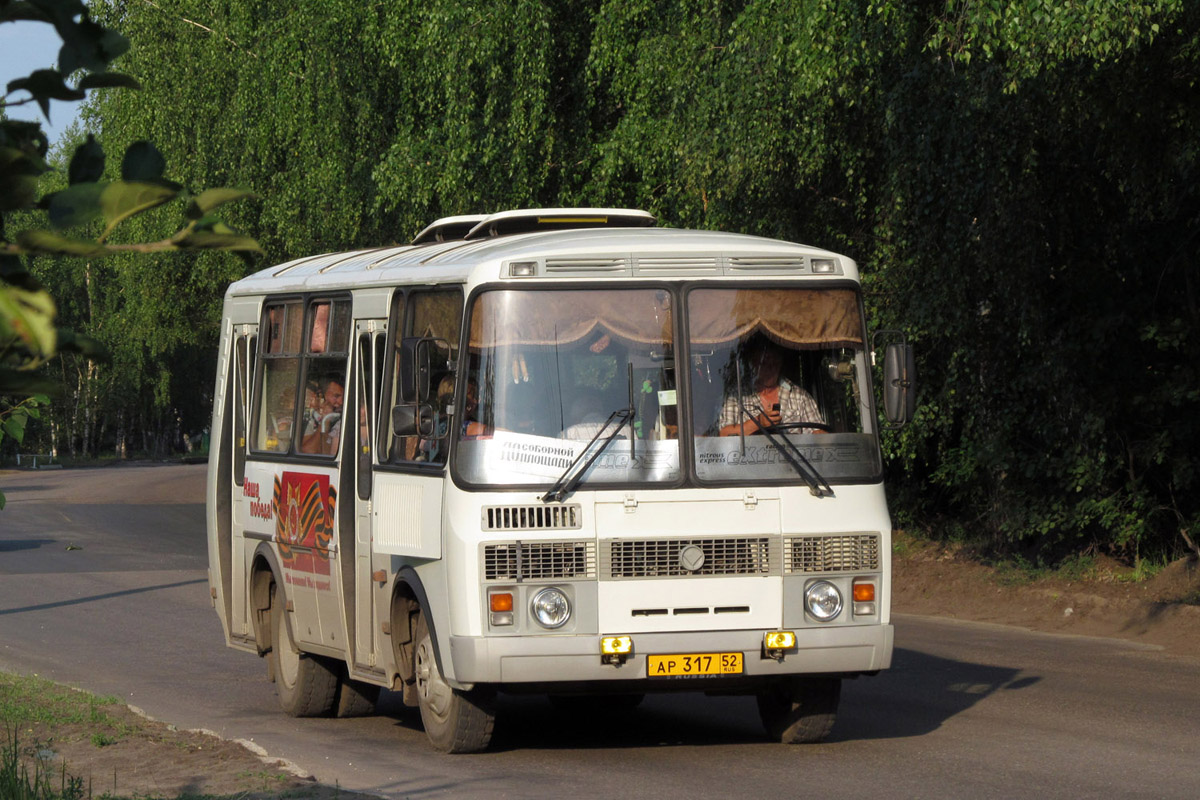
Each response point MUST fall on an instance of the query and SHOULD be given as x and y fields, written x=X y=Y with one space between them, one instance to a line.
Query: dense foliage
x=1015 y=177
x=82 y=214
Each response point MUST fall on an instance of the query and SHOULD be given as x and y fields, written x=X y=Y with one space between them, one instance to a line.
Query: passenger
x=325 y=425
x=774 y=401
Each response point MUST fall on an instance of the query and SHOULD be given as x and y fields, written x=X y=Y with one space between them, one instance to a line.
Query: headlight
x=823 y=600
x=551 y=608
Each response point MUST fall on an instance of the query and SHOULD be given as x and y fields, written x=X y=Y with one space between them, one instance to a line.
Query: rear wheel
x=305 y=683
x=455 y=721
x=800 y=712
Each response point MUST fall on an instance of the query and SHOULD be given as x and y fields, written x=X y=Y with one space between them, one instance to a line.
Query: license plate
x=688 y=664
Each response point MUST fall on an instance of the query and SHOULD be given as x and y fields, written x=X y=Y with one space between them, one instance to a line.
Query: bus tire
x=800 y=712
x=355 y=698
x=305 y=683
x=455 y=721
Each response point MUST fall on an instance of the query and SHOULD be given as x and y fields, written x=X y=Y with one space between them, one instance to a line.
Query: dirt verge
x=1103 y=600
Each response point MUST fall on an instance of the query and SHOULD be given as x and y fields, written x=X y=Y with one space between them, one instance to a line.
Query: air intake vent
x=777 y=264
x=684 y=558
x=587 y=265
x=532 y=518
x=855 y=552
x=699 y=265
x=539 y=561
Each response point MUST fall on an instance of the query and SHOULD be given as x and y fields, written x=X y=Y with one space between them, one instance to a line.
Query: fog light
x=779 y=640
x=551 y=608
x=616 y=645
x=823 y=601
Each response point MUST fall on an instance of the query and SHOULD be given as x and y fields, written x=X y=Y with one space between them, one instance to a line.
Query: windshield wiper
x=817 y=485
x=571 y=477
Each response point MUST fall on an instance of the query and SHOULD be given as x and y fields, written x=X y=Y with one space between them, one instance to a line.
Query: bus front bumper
x=549 y=659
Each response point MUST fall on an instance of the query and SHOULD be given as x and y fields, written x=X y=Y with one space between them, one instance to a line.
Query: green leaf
x=142 y=162
x=120 y=200
x=87 y=165
x=71 y=342
x=21 y=383
x=14 y=427
x=75 y=205
x=17 y=11
x=38 y=241
x=108 y=80
x=209 y=199
x=27 y=317
x=87 y=45
x=45 y=85
x=206 y=240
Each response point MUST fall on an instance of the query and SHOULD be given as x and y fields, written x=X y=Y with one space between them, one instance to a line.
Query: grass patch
x=26 y=700
x=50 y=735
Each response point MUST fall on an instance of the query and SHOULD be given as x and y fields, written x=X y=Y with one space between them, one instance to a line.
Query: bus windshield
x=548 y=369
x=777 y=379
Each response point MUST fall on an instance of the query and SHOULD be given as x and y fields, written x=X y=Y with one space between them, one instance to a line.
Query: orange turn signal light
x=502 y=601
x=864 y=593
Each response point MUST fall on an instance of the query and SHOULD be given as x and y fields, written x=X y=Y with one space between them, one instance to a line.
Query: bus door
x=407 y=491
x=244 y=344
x=360 y=590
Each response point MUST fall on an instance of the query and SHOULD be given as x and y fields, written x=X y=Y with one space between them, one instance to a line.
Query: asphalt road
x=103 y=586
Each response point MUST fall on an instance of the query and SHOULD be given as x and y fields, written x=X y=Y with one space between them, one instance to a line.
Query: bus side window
x=275 y=415
x=326 y=351
x=244 y=374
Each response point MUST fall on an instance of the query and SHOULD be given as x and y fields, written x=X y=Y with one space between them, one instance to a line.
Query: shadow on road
x=919 y=694
x=23 y=544
x=916 y=697
x=93 y=598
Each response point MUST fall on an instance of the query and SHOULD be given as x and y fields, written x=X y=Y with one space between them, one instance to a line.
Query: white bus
x=556 y=451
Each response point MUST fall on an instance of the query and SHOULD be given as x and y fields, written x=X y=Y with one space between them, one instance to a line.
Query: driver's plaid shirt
x=795 y=405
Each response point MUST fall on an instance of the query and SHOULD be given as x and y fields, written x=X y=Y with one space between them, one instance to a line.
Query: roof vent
x=556 y=219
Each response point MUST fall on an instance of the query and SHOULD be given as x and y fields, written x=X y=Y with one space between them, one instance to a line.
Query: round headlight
x=551 y=608
x=823 y=600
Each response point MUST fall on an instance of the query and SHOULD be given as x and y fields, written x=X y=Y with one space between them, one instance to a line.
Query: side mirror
x=415 y=419
x=899 y=388
x=415 y=369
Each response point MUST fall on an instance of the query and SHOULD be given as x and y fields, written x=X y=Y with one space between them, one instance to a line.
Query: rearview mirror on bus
x=415 y=368
x=899 y=389
x=414 y=419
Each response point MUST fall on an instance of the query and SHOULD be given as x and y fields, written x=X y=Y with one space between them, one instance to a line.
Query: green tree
x=29 y=335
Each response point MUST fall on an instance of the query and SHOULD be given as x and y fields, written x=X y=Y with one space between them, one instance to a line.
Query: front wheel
x=455 y=721
x=305 y=683
x=800 y=712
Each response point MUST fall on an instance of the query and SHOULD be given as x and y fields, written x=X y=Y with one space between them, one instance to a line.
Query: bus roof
x=594 y=252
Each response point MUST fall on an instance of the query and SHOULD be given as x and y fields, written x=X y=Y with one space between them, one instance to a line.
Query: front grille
x=660 y=558
x=532 y=518
x=854 y=552
x=539 y=561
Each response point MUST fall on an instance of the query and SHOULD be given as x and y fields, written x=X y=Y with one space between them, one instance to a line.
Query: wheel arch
x=264 y=574
x=408 y=598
